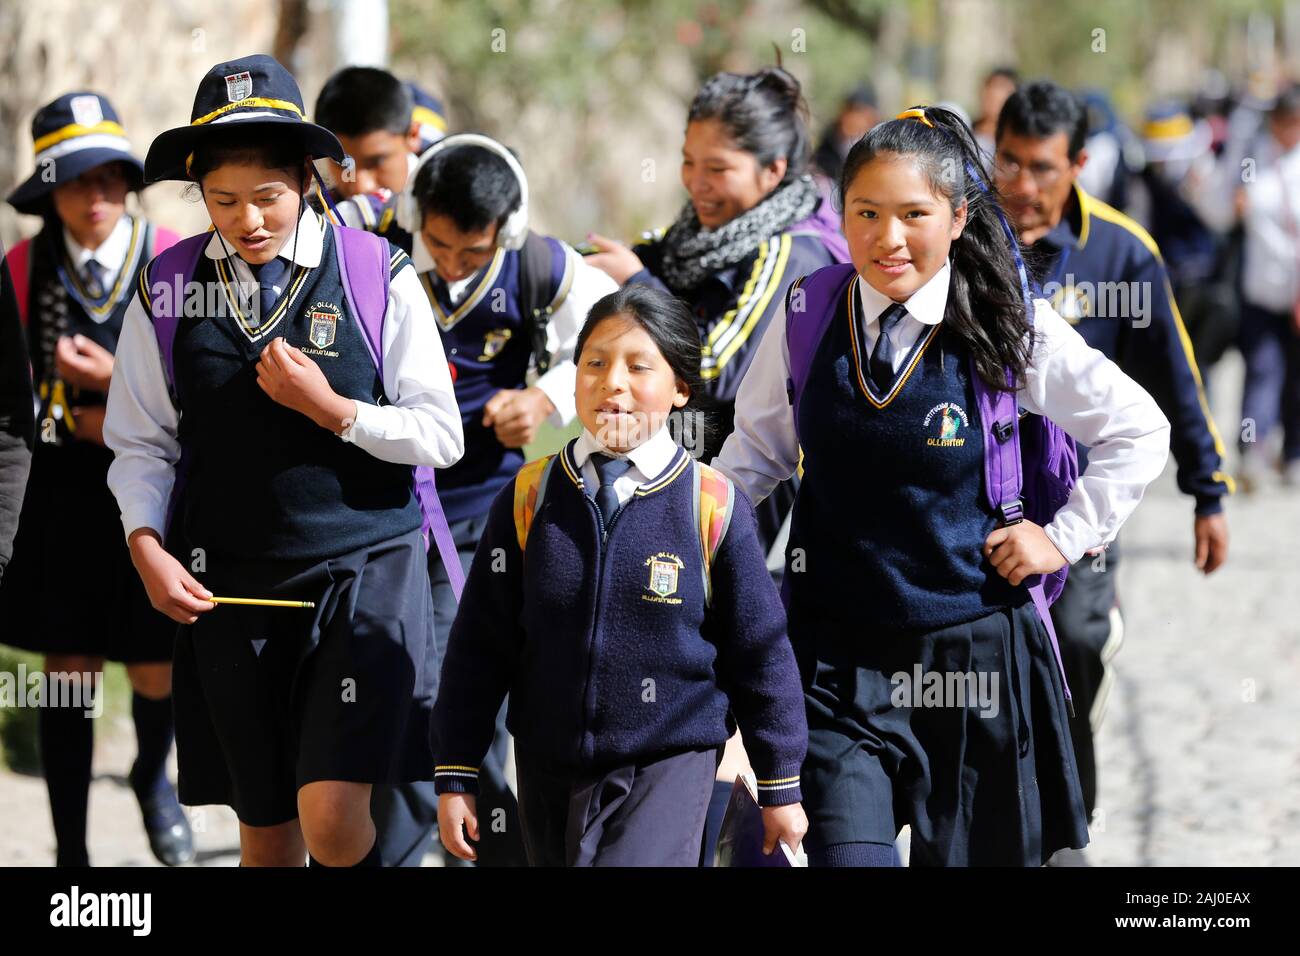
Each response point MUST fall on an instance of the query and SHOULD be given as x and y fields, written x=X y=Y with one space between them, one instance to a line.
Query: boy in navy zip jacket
x=617 y=626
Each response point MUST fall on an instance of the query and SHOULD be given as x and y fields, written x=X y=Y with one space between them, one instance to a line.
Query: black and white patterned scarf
x=693 y=253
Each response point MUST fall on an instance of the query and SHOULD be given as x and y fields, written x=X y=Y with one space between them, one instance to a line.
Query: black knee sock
x=370 y=859
x=153 y=734
x=853 y=854
x=67 y=742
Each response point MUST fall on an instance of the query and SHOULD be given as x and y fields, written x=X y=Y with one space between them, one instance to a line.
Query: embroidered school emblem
x=324 y=325
x=86 y=111
x=663 y=573
x=948 y=419
x=239 y=86
x=493 y=343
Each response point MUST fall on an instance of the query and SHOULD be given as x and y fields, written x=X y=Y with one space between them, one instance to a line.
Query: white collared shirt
x=649 y=460
x=111 y=256
x=1067 y=381
x=421 y=425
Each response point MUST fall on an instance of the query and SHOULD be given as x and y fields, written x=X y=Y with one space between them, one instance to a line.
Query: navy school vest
x=891 y=517
x=488 y=343
x=263 y=480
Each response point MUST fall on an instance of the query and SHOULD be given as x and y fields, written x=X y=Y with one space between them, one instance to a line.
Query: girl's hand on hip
x=1019 y=550
x=292 y=379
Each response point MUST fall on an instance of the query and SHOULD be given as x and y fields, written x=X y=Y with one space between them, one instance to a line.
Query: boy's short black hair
x=1042 y=109
x=361 y=99
x=471 y=185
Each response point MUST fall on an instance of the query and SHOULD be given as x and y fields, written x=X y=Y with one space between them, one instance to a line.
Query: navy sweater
x=601 y=669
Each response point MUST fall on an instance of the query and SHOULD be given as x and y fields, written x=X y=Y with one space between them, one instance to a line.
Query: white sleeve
x=763 y=450
x=421 y=424
x=140 y=426
x=1099 y=406
x=589 y=285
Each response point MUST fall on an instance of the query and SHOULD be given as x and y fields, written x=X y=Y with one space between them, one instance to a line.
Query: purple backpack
x=825 y=225
x=363 y=265
x=1011 y=443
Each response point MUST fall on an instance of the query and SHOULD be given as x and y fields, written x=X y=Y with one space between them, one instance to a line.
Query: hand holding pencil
x=172 y=590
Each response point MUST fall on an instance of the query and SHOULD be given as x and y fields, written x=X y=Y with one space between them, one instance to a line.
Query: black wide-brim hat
x=251 y=92
x=70 y=136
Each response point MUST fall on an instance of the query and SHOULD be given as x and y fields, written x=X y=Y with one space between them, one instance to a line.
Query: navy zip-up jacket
x=608 y=651
x=1104 y=273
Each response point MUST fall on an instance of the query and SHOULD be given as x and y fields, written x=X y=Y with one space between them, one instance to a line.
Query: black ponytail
x=764 y=113
x=986 y=300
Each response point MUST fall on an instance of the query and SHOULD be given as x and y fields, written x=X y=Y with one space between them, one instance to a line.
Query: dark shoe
x=170 y=836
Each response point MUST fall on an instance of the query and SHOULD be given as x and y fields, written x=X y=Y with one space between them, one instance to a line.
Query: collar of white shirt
x=926 y=305
x=306 y=252
x=650 y=457
x=423 y=262
x=111 y=253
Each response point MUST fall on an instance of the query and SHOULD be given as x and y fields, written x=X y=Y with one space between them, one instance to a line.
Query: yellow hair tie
x=915 y=114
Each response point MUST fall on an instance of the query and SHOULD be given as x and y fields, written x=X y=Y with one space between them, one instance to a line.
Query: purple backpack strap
x=1004 y=483
x=810 y=306
x=364 y=268
x=166 y=278
x=825 y=225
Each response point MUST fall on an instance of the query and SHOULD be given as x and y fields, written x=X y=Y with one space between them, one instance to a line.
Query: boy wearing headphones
x=509 y=304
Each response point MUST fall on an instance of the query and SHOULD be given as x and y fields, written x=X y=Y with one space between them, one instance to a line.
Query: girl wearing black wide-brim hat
x=265 y=431
x=73 y=282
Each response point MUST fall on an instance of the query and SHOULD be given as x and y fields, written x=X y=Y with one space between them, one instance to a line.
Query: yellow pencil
x=261 y=602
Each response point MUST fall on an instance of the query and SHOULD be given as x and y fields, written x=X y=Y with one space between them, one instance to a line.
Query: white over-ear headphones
x=512 y=232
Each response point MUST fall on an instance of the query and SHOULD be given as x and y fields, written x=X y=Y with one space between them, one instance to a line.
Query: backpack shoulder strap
x=1003 y=469
x=545 y=277
x=162 y=292
x=810 y=304
x=20 y=271
x=530 y=490
x=715 y=497
x=365 y=268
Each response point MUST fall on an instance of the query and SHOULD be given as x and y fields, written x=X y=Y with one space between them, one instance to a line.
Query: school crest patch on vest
x=493 y=343
x=324 y=325
x=664 y=571
x=951 y=419
x=239 y=86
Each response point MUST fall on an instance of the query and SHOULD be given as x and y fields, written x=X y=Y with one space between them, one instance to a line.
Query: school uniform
x=1094 y=248
x=622 y=678
x=69 y=518
x=278 y=507
x=891 y=511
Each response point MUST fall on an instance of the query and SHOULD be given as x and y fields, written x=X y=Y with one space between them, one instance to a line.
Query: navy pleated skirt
x=270 y=699
x=961 y=733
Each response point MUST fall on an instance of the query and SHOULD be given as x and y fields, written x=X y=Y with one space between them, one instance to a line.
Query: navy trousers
x=650 y=813
x=1271 y=394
